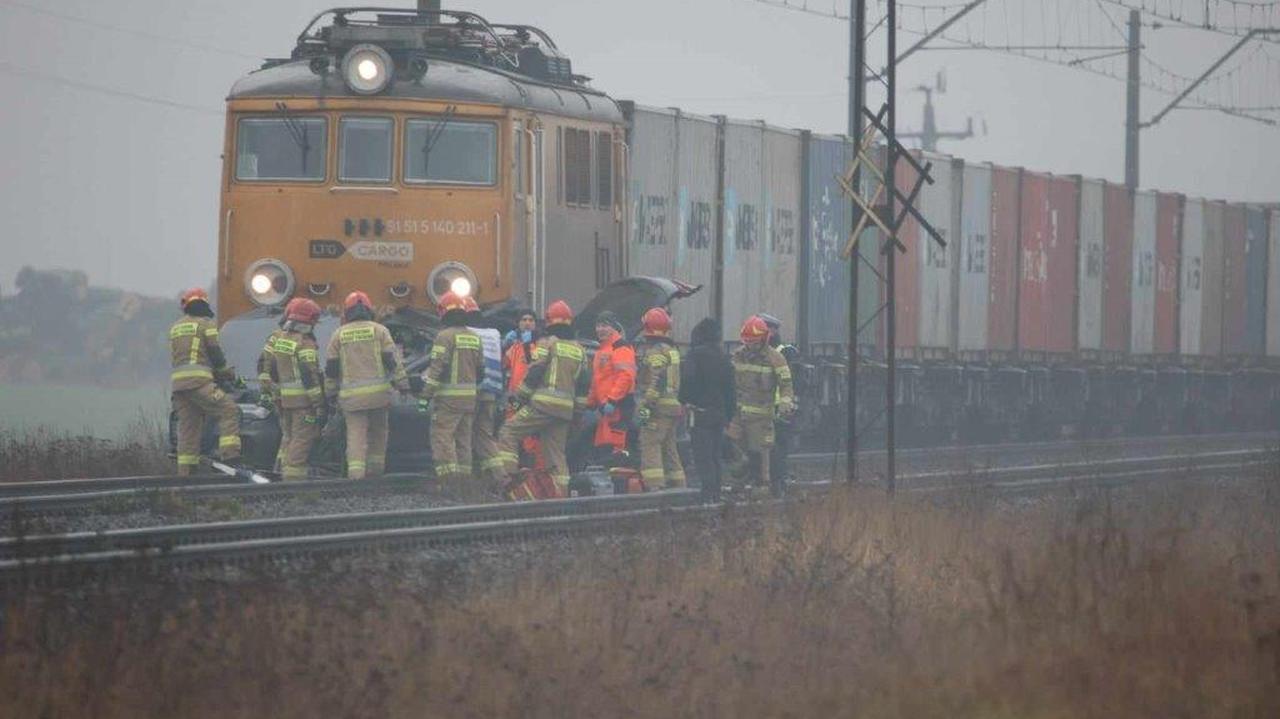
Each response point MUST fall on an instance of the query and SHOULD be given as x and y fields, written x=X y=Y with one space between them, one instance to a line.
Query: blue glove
x=607 y=408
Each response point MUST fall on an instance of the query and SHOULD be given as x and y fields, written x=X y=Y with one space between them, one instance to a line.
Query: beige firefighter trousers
x=484 y=440
x=300 y=429
x=753 y=436
x=553 y=433
x=191 y=406
x=366 y=442
x=451 y=443
x=659 y=455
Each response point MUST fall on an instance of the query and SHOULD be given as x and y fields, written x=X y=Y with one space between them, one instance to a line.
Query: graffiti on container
x=1035 y=265
x=1144 y=269
x=935 y=254
x=975 y=254
x=1166 y=277
x=651 y=218
x=1093 y=259
x=697 y=235
x=782 y=231
x=825 y=239
x=746 y=232
x=1193 y=273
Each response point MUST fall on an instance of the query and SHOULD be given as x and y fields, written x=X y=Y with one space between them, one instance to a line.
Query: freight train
x=409 y=152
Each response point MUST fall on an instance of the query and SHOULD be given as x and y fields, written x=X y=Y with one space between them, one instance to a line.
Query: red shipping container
x=1234 y=280
x=1002 y=305
x=1118 y=243
x=1047 y=285
x=1168 y=237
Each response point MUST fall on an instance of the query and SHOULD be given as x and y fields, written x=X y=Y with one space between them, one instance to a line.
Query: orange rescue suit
x=516 y=361
x=613 y=377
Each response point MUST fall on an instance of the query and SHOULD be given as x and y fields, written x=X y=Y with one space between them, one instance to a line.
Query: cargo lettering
x=745 y=234
x=651 y=217
x=377 y=251
x=1144 y=271
x=975 y=256
x=782 y=232
x=697 y=234
x=1093 y=259
x=935 y=254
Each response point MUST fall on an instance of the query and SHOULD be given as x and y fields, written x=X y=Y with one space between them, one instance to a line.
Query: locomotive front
x=387 y=154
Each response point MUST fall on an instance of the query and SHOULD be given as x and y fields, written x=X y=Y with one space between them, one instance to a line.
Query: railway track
x=231 y=542
x=85 y=495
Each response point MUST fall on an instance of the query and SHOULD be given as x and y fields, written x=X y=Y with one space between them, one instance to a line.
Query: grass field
x=92 y=411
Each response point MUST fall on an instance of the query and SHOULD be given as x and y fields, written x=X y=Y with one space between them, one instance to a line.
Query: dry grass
x=1156 y=602
x=47 y=453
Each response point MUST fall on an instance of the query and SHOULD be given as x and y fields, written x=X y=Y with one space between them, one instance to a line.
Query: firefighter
x=783 y=428
x=658 y=407
x=490 y=391
x=362 y=364
x=762 y=383
x=267 y=395
x=198 y=367
x=515 y=363
x=293 y=369
x=449 y=383
x=613 y=378
x=549 y=397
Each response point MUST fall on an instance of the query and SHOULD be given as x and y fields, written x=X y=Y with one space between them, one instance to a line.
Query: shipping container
x=871 y=266
x=1234 y=281
x=1191 y=301
x=1117 y=302
x=1002 y=271
x=1192 y=247
x=1273 y=287
x=1168 y=229
x=672 y=206
x=1255 y=322
x=1047 y=284
x=1142 y=286
x=827 y=231
x=923 y=279
x=973 y=283
x=1211 y=281
x=1092 y=253
x=761 y=224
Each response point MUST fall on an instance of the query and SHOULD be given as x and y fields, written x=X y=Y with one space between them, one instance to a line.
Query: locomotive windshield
x=450 y=151
x=281 y=148
x=364 y=149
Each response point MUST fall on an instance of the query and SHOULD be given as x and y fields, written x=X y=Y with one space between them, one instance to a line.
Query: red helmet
x=469 y=304
x=559 y=313
x=450 y=301
x=191 y=295
x=302 y=309
x=657 y=322
x=357 y=298
x=754 y=331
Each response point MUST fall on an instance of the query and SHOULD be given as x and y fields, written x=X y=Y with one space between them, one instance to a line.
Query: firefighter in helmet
x=450 y=385
x=783 y=429
x=762 y=383
x=198 y=367
x=268 y=394
x=549 y=396
x=292 y=365
x=490 y=390
x=613 y=378
x=362 y=364
x=658 y=407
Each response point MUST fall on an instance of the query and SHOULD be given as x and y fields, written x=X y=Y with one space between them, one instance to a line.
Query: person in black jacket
x=707 y=389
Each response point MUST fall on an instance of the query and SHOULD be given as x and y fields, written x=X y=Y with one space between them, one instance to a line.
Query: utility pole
x=1132 y=123
x=857 y=99
x=890 y=314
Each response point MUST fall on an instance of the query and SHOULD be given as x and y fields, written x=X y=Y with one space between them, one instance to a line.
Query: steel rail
x=230 y=542
x=102 y=484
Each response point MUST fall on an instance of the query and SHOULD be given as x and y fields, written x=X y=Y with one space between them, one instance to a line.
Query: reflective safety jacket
x=762 y=381
x=293 y=367
x=551 y=383
x=658 y=382
x=361 y=364
x=613 y=372
x=195 y=352
x=267 y=358
x=516 y=363
x=457 y=363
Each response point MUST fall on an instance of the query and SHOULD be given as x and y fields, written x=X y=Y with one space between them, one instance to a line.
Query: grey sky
x=128 y=190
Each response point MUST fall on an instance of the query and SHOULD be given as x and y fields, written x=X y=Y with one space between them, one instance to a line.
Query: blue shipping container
x=827 y=304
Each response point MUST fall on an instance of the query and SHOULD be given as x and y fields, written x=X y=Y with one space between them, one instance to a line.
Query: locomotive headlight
x=367 y=69
x=452 y=277
x=268 y=282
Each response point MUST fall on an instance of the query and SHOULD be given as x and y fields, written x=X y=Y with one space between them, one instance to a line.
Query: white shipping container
x=762 y=183
x=935 y=261
x=1143 y=285
x=1273 y=288
x=1192 y=250
x=975 y=239
x=672 y=194
x=1090 y=273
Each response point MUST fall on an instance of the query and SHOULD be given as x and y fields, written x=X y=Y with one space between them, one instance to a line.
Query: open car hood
x=629 y=299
